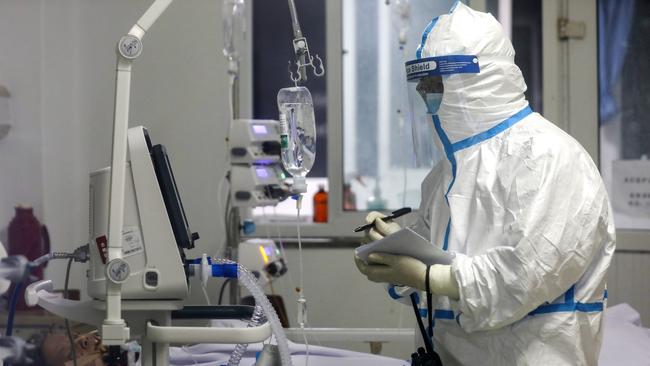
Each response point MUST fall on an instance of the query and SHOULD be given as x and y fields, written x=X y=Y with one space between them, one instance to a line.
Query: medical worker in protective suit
x=517 y=202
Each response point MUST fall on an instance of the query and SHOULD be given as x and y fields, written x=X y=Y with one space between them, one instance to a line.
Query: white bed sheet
x=625 y=342
x=218 y=354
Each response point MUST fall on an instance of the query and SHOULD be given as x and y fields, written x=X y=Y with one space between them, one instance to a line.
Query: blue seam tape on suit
x=569 y=296
x=453 y=7
x=425 y=35
x=473 y=140
x=393 y=294
x=449 y=152
x=568 y=307
x=542 y=309
x=443 y=314
x=570 y=304
x=427 y=30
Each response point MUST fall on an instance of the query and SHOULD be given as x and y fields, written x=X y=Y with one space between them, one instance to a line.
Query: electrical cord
x=12 y=312
x=427 y=282
x=429 y=356
x=81 y=254
x=221 y=291
x=12 y=308
x=67 y=322
x=427 y=341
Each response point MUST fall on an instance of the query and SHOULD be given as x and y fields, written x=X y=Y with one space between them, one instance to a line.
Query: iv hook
x=316 y=64
x=295 y=80
x=320 y=69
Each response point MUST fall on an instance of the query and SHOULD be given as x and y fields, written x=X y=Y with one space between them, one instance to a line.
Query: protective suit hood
x=474 y=103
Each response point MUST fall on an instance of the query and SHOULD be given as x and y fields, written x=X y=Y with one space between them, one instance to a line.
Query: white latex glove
x=381 y=228
x=408 y=271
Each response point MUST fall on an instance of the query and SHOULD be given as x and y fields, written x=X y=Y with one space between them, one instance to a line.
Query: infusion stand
x=233 y=236
x=114 y=329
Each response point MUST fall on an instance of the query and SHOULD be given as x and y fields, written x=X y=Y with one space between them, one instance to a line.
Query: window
x=379 y=170
x=378 y=164
x=624 y=107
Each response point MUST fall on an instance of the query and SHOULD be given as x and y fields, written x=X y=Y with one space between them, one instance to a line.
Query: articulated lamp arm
x=114 y=330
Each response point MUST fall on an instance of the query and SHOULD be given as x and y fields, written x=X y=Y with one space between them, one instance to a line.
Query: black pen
x=394 y=215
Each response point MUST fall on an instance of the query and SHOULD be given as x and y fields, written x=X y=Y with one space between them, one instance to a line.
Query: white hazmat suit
x=522 y=206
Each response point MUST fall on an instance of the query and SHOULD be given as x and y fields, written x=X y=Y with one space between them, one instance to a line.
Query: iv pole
x=301 y=50
x=233 y=215
x=114 y=329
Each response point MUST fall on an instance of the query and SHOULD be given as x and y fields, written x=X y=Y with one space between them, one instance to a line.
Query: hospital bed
x=626 y=342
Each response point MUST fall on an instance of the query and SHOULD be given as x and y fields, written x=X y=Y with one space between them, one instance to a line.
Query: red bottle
x=320 y=205
x=27 y=237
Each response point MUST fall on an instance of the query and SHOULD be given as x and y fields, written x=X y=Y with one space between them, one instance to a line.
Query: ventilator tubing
x=248 y=280
x=240 y=349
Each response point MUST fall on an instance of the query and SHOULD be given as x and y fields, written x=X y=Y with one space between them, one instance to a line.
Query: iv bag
x=297 y=133
x=234 y=28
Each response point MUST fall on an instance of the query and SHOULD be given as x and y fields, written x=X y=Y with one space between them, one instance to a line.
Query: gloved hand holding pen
x=381 y=228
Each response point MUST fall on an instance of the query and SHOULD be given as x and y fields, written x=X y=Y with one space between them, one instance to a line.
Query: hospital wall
x=21 y=175
x=58 y=60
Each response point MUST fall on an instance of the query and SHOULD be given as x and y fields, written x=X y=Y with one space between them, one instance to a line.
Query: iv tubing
x=301 y=304
x=12 y=308
x=282 y=250
x=298 y=206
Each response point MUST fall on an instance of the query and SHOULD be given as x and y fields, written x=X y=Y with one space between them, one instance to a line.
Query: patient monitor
x=153 y=239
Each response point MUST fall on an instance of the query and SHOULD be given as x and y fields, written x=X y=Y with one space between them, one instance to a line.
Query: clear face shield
x=425 y=97
x=425 y=93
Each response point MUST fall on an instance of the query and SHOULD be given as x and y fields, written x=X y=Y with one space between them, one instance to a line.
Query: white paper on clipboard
x=407 y=242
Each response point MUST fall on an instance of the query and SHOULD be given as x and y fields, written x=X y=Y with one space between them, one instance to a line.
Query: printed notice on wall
x=631 y=187
x=131 y=241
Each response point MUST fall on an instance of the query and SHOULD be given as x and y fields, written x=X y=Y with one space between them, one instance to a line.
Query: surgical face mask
x=430 y=89
x=433 y=101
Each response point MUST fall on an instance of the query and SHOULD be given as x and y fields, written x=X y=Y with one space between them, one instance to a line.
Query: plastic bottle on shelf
x=320 y=205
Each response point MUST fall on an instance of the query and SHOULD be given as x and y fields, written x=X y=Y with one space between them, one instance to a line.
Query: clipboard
x=407 y=242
